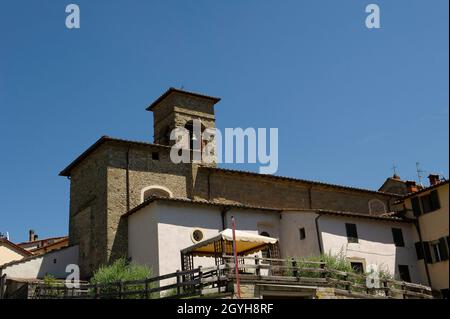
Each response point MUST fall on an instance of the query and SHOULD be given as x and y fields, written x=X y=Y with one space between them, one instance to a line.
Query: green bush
x=108 y=279
x=336 y=262
x=50 y=287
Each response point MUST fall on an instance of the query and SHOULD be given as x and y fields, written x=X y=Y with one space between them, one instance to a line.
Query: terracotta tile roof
x=41 y=240
x=387 y=217
x=423 y=190
x=195 y=202
x=15 y=247
x=31 y=257
x=103 y=139
x=279 y=210
x=48 y=247
x=97 y=144
x=172 y=90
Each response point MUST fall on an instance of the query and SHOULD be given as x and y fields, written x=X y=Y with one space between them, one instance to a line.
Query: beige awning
x=245 y=243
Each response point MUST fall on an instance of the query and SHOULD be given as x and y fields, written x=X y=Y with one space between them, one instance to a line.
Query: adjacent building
x=11 y=252
x=429 y=208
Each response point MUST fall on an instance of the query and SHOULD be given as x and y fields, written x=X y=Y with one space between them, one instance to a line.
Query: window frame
x=302 y=233
x=351 y=229
x=397 y=237
x=405 y=271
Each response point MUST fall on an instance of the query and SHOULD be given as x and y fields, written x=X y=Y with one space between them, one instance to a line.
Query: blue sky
x=348 y=101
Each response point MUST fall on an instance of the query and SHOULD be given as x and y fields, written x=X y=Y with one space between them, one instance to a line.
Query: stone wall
x=257 y=190
x=87 y=220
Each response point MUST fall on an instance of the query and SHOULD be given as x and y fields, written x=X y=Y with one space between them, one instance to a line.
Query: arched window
x=376 y=207
x=194 y=136
x=155 y=190
x=265 y=234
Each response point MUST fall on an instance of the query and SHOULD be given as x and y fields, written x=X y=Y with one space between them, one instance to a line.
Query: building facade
x=159 y=228
x=429 y=207
x=115 y=176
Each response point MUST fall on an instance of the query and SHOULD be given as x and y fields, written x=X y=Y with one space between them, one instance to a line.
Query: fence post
x=96 y=291
x=200 y=279
x=120 y=289
x=386 y=288
x=347 y=285
x=146 y=289
x=2 y=285
x=294 y=265
x=178 y=283
x=258 y=269
x=324 y=272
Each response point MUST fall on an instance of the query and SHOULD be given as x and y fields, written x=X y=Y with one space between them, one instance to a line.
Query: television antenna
x=419 y=173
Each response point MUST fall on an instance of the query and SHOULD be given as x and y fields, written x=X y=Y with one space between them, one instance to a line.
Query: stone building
x=113 y=176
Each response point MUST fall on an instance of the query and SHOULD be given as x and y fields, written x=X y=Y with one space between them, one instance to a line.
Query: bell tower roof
x=174 y=91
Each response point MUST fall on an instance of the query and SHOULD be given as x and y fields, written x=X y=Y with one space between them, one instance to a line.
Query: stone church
x=114 y=176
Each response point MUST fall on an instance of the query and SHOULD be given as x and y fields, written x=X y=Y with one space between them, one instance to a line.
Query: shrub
x=337 y=263
x=108 y=278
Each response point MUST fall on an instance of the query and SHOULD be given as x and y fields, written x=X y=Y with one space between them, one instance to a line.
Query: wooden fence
x=201 y=281
x=174 y=285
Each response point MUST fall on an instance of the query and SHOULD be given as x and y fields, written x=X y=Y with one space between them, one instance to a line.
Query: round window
x=197 y=235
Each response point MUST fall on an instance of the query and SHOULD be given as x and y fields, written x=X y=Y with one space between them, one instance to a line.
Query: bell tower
x=178 y=108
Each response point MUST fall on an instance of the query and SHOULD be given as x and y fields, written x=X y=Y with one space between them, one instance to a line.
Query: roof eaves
x=15 y=246
x=172 y=90
x=100 y=141
x=421 y=191
x=196 y=202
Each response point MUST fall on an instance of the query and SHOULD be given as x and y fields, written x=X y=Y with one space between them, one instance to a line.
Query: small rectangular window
x=430 y=202
x=155 y=156
x=357 y=267
x=427 y=252
x=434 y=200
x=302 y=233
x=416 y=206
x=352 y=233
x=403 y=271
x=398 y=237
x=419 y=250
x=426 y=203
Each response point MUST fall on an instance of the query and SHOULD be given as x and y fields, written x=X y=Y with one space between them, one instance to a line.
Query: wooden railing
x=315 y=273
x=174 y=285
x=201 y=281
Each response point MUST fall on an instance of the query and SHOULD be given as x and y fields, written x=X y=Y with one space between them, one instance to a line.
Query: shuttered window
x=398 y=237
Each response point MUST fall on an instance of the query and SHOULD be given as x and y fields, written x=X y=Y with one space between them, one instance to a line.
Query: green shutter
x=428 y=257
x=416 y=206
x=443 y=249
x=434 y=199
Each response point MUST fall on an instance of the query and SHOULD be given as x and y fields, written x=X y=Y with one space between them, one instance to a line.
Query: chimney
x=32 y=236
x=411 y=187
x=434 y=179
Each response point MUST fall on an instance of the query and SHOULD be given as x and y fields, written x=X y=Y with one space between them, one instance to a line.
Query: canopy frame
x=223 y=248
